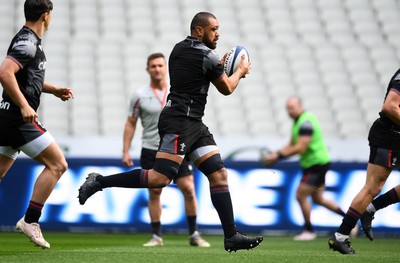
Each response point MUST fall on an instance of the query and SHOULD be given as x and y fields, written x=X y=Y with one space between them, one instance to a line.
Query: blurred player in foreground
x=384 y=156
x=193 y=64
x=307 y=141
x=22 y=77
x=146 y=104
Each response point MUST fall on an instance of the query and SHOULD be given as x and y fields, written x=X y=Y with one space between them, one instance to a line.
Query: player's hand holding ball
x=270 y=159
x=237 y=60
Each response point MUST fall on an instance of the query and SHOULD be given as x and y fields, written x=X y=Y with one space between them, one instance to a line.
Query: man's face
x=211 y=34
x=294 y=108
x=157 y=69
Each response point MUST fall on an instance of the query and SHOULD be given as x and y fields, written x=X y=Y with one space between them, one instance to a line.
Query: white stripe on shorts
x=201 y=151
x=9 y=152
x=32 y=148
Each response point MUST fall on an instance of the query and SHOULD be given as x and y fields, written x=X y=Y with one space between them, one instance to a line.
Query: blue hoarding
x=263 y=199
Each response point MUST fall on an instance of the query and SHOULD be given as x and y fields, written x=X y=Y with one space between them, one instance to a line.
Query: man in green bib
x=307 y=141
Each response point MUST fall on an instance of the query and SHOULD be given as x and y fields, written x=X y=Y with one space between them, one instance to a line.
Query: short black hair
x=35 y=8
x=201 y=19
x=154 y=56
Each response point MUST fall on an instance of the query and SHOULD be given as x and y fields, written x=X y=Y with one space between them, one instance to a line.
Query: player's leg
x=318 y=180
x=319 y=199
x=155 y=210
x=54 y=166
x=7 y=158
x=186 y=186
x=376 y=178
x=207 y=158
x=147 y=160
x=304 y=190
x=185 y=182
x=46 y=151
x=165 y=169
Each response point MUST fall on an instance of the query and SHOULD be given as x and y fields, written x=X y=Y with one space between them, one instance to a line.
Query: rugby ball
x=233 y=58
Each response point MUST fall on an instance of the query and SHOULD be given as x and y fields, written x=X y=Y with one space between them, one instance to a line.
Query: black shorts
x=14 y=132
x=182 y=135
x=384 y=144
x=315 y=175
x=384 y=135
x=384 y=157
x=148 y=158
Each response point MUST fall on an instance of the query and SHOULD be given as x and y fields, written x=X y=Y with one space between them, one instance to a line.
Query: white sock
x=371 y=208
x=341 y=237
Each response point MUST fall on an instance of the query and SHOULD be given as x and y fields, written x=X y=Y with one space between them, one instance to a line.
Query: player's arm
x=391 y=106
x=129 y=131
x=295 y=148
x=273 y=157
x=289 y=150
x=226 y=85
x=8 y=69
x=303 y=141
x=64 y=93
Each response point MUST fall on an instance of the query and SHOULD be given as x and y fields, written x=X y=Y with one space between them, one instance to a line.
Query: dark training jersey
x=26 y=50
x=394 y=84
x=192 y=66
x=384 y=133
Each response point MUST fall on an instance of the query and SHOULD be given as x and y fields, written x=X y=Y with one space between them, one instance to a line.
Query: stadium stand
x=337 y=55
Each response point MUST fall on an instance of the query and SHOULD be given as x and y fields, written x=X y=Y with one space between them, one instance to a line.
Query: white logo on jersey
x=168 y=104
x=40 y=47
x=182 y=146
x=42 y=65
x=394 y=161
x=4 y=105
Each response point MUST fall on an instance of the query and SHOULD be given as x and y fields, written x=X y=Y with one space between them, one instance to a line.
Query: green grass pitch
x=113 y=248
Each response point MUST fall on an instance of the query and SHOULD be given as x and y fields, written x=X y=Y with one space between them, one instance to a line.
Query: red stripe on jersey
x=135 y=108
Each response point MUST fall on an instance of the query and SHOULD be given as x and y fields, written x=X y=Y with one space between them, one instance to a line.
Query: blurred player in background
x=146 y=104
x=384 y=156
x=22 y=77
x=307 y=141
x=193 y=64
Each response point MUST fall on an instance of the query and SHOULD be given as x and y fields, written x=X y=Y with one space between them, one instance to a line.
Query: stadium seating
x=338 y=55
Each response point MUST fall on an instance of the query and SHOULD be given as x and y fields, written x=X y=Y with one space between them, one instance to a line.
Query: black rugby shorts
x=315 y=175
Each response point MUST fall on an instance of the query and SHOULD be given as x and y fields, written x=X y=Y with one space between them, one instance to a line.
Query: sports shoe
x=366 y=220
x=89 y=187
x=197 y=241
x=155 y=241
x=33 y=232
x=305 y=236
x=343 y=247
x=240 y=241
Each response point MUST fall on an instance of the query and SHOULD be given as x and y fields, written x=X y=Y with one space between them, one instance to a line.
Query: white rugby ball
x=233 y=58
